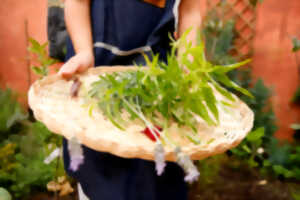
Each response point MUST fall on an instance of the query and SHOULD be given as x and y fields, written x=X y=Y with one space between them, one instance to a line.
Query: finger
x=82 y=69
x=68 y=70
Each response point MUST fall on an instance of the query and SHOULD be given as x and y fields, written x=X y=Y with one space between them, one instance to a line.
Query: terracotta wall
x=273 y=60
x=13 y=53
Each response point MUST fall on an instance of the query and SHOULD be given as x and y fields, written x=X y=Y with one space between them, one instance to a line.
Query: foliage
x=210 y=168
x=40 y=50
x=167 y=90
x=296 y=97
x=219 y=36
x=296 y=44
x=23 y=149
x=248 y=150
x=296 y=195
x=222 y=33
x=254 y=2
x=259 y=149
x=10 y=112
x=178 y=91
x=296 y=48
x=262 y=108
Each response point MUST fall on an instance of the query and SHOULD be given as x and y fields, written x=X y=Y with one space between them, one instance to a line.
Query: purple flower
x=160 y=163
x=188 y=166
x=192 y=175
x=76 y=153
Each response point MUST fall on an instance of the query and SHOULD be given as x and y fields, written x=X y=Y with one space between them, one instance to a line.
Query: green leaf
x=37 y=70
x=296 y=44
x=194 y=140
x=280 y=170
x=203 y=113
x=226 y=81
x=178 y=91
x=11 y=111
x=246 y=148
x=35 y=46
x=211 y=101
x=226 y=68
x=254 y=2
x=256 y=135
x=112 y=119
x=224 y=92
x=42 y=57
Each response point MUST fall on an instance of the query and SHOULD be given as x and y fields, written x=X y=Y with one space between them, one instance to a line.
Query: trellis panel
x=244 y=15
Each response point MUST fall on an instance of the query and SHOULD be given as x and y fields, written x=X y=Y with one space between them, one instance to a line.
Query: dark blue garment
x=125 y=25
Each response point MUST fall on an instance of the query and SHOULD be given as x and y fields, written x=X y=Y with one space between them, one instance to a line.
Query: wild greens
x=166 y=93
x=177 y=91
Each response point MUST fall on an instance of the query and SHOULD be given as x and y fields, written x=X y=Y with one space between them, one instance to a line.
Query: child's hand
x=77 y=64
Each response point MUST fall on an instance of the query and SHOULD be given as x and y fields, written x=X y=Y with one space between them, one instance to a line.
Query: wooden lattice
x=244 y=14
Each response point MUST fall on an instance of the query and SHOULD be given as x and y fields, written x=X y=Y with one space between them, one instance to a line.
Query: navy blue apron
x=122 y=29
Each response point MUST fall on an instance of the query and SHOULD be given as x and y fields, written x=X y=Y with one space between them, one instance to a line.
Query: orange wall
x=273 y=60
x=13 y=53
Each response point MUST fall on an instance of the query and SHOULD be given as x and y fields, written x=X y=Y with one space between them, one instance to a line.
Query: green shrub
x=260 y=149
x=24 y=145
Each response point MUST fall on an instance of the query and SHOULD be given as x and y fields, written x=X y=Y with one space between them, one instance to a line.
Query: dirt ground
x=242 y=184
x=229 y=184
x=224 y=178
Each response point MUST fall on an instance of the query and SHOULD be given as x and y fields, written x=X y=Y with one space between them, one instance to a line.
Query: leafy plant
x=167 y=90
x=40 y=50
x=24 y=145
x=296 y=44
x=10 y=112
x=250 y=148
x=296 y=97
x=260 y=149
x=178 y=92
x=219 y=36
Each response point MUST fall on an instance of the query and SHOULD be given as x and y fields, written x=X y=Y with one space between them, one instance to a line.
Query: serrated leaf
x=203 y=113
x=112 y=118
x=227 y=68
x=227 y=82
x=224 y=92
x=211 y=101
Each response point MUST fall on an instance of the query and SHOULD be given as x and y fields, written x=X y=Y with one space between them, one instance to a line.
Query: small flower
x=188 y=166
x=76 y=154
x=260 y=150
x=160 y=163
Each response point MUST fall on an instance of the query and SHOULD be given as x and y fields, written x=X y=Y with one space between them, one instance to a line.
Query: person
x=116 y=32
x=56 y=32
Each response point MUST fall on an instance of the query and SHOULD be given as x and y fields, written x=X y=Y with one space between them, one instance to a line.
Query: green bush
x=24 y=145
x=260 y=149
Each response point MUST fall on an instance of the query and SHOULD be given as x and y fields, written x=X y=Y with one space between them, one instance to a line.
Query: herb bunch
x=179 y=91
